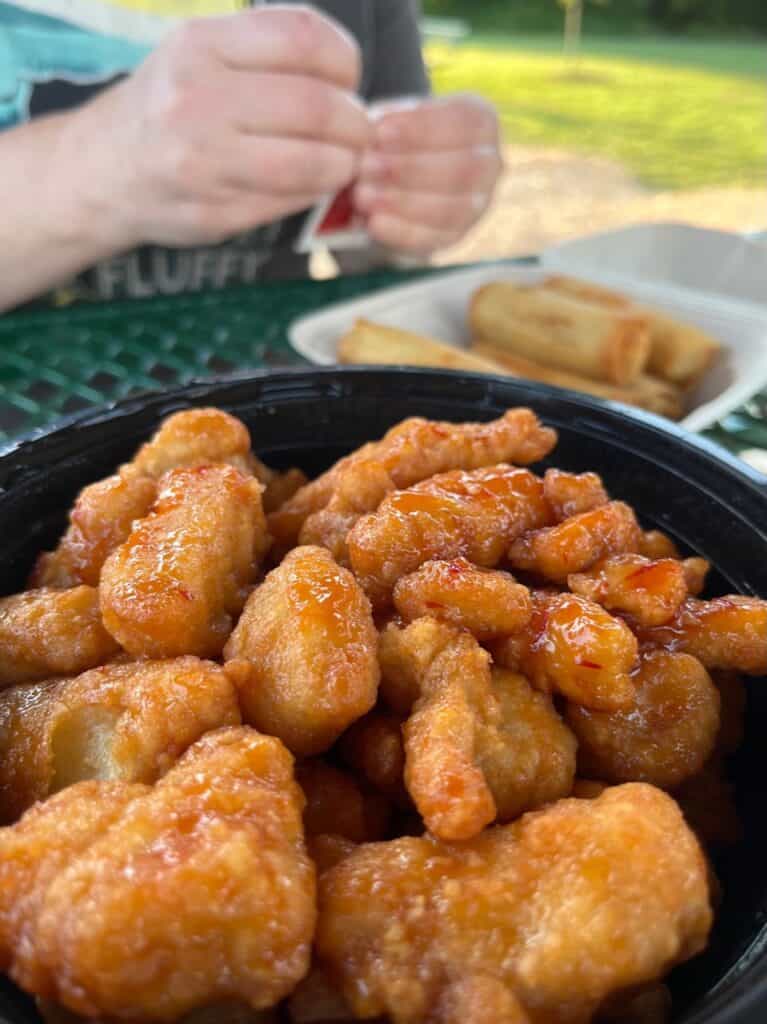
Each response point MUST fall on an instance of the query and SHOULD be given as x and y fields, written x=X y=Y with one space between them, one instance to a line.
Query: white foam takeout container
x=686 y=272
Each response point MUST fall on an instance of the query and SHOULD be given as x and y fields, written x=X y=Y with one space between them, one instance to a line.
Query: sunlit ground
x=635 y=130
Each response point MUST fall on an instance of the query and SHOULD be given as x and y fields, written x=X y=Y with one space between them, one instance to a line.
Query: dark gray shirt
x=56 y=64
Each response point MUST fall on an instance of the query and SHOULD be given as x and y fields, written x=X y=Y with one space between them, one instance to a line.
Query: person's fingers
x=281 y=38
x=239 y=211
x=472 y=169
x=446 y=213
x=450 y=123
x=284 y=167
x=405 y=236
x=270 y=104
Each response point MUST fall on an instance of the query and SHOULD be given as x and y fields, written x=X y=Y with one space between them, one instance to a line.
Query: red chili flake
x=588 y=664
x=642 y=570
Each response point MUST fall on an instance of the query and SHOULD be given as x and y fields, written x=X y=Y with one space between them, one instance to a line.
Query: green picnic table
x=57 y=362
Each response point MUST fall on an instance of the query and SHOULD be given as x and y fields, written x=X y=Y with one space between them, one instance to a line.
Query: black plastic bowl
x=712 y=504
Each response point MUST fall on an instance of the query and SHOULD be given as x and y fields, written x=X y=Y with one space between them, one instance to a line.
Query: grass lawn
x=679 y=114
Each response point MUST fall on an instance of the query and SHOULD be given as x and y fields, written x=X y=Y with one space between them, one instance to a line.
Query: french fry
x=368 y=342
x=646 y=392
x=562 y=331
x=678 y=351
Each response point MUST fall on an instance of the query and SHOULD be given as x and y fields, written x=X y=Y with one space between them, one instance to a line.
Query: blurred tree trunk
x=573 y=26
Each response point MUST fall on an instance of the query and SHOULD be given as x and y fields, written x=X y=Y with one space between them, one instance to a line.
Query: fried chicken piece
x=196 y=437
x=175 y=586
x=654 y=544
x=398 y=657
x=360 y=487
x=337 y=805
x=479 y=745
x=574 y=647
x=303 y=654
x=417 y=449
x=49 y=632
x=99 y=522
x=481 y=999
x=570 y=494
x=695 y=572
x=651 y=592
x=707 y=801
x=471 y=514
x=725 y=633
x=647 y=1004
x=614 y=889
x=130 y=722
x=200 y=887
x=373 y=747
x=555 y=552
x=280 y=487
x=732 y=712
x=664 y=736
x=104 y=512
x=486 y=602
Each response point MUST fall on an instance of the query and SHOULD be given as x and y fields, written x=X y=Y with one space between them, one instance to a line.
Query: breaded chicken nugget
x=99 y=522
x=280 y=487
x=479 y=746
x=337 y=805
x=654 y=544
x=481 y=999
x=129 y=722
x=373 y=747
x=303 y=654
x=577 y=543
x=415 y=450
x=486 y=602
x=614 y=888
x=569 y=494
x=664 y=736
x=471 y=514
x=574 y=647
x=48 y=632
x=695 y=572
x=200 y=887
x=404 y=654
x=360 y=487
x=104 y=512
x=651 y=592
x=182 y=575
x=727 y=633
x=196 y=437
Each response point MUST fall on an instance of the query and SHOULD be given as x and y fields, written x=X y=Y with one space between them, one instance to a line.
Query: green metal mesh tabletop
x=55 y=362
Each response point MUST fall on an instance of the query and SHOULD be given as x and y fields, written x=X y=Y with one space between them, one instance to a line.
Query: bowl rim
x=199 y=387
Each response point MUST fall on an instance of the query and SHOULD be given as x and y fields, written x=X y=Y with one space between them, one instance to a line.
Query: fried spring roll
x=678 y=352
x=645 y=391
x=368 y=342
x=561 y=331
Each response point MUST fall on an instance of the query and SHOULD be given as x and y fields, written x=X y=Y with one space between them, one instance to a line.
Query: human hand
x=430 y=173
x=231 y=123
